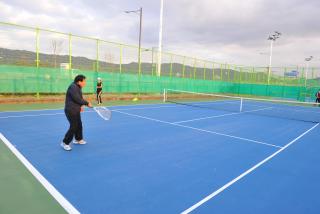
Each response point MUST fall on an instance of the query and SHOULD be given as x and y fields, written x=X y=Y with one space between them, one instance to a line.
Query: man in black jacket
x=73 y=106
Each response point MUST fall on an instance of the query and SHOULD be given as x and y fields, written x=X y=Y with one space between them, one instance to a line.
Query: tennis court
x=190 y=156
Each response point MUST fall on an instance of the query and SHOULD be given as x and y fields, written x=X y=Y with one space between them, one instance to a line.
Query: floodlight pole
x=307 y=70
x=270 y=61
x=140 y=32
x=160 y=39
x=272 y=38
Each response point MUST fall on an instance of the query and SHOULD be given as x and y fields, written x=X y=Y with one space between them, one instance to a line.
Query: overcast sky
x=220 y=30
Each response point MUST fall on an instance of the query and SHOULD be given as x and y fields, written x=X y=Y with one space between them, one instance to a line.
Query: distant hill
x=28 y=58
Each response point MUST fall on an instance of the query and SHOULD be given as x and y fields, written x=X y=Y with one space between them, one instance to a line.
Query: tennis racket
x=103 y=112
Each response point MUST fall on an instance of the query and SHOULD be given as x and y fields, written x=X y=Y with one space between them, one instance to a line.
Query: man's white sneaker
x=80 y=142
x=66 y=147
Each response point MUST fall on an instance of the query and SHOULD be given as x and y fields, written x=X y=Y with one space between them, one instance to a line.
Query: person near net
x=318 y=97
x=99 y=90
x=74 y=105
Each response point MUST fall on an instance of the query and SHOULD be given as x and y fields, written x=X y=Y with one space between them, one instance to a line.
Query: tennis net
x=292 y=110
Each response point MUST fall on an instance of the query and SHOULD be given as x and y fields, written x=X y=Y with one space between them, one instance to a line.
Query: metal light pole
x=272 y=38
x=140 y=31
x=160 y=39
x=307 y=69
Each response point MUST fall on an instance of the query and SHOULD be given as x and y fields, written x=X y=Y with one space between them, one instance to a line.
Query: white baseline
x=49 y=187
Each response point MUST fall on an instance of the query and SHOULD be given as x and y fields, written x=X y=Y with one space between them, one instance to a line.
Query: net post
x=164 y=95
x=241 y=103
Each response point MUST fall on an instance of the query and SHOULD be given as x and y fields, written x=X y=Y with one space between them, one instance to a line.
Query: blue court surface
x=170 y=158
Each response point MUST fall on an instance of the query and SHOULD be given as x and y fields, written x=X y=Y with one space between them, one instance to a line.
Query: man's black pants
x=75 y=128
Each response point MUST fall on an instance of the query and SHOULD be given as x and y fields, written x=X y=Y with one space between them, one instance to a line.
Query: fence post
x=298 y=77
x=305 y=77
x=253 y=75
x=212 y=71
x=183 y=66
x=204 y=71
x=284 y=76
x=152 y=56
x=70 y=51
x=228 y=72
x=171 y=61
x=120 y=63
x=37 y=62
x=97 y=56
x=194 y=68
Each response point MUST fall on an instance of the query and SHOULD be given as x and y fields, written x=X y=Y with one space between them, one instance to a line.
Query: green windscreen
x=21 y=80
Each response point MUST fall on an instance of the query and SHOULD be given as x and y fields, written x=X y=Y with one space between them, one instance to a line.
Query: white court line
x=201 y=130
x=50 y=114
x=62 y=113
x=204 y=118
x=31 y=110
x=165 y=106
x=176 y=105
x=205 y=103
x=222 y=115
x=30 y=115
x=227 y=185
x=49 y=187
x=37 y=115
x=1 y=112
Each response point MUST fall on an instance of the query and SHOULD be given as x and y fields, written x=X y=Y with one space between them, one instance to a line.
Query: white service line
x=222 y=115
x=204 y=118
x=227 y=185
x=164 y=106
x=49 y=187
x=201 y=130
